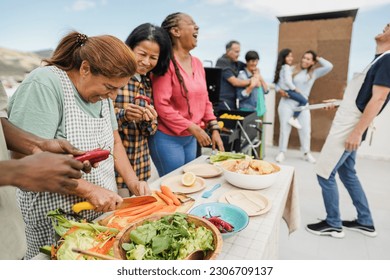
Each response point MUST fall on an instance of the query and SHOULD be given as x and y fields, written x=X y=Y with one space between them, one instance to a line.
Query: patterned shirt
x=134 y=135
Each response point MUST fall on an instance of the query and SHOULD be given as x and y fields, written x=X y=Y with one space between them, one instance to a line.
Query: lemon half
x=188 y=179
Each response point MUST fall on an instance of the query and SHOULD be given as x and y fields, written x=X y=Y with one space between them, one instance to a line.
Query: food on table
x=82 y=235
x=221 y=225
x=250 y=167
x=231 y=117
x=123 y=217
x=171 y=237
x=168 y=192
x=221 y=156
x=168 y=203
x=94 y=156
x=188 y=179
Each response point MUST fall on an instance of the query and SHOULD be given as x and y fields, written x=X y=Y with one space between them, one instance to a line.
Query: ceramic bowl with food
x=252 y=174
x=228 y=213
x=152 y=238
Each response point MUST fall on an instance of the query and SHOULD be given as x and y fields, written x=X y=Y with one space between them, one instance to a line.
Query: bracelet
x=215 y=127
x=212 y=123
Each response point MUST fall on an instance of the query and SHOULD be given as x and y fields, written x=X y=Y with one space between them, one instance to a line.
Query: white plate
x=252 y=202
x=174 y=183
x=204 y=170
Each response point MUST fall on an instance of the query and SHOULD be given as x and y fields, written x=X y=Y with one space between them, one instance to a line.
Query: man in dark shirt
x=365 y=97
x=231 y=66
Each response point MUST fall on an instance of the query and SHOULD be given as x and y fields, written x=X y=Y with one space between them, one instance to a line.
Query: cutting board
x=186 y=204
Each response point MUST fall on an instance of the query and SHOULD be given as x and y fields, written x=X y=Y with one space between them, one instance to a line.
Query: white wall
x=380 y=144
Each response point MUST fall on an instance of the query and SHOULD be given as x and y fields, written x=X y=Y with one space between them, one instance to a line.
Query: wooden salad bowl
x=124 y=235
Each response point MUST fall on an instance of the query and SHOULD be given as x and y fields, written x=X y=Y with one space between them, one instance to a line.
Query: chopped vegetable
x=168 y=192
x=165 y=198
x=81 y=235
x=169 y=238
x=221 y=156
x=94 y=156
x=221 y=225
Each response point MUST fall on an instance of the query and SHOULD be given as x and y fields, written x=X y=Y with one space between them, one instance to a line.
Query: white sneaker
x=295 y=123
x=309 y=157
x=280 y=157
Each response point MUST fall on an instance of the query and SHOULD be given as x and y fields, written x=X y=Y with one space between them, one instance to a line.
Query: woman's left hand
x=139 y=188
x=217 y=141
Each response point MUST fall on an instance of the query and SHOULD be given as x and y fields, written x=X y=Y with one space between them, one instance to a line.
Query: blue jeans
x=171 y=152
x=296 y=96
x=347 y=173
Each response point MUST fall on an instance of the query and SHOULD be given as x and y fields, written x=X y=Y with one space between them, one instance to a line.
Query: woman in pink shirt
x=181 y=101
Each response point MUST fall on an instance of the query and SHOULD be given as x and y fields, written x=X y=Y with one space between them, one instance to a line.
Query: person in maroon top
x=181 y=101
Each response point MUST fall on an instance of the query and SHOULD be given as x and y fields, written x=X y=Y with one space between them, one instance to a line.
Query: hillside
x=15 y=64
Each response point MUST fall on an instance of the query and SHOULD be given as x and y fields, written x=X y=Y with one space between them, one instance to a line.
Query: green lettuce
x=170 y=238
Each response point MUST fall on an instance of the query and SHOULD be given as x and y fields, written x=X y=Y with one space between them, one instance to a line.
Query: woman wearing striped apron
x=71 y=98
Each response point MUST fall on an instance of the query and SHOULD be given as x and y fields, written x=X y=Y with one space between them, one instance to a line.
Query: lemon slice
x=188 y=179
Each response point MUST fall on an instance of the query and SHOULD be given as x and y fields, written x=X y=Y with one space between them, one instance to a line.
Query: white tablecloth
x=260 y=240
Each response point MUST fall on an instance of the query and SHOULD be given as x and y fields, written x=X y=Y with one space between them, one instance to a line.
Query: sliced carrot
x=72 y=229
x=167 y=191
x=166 y=199
x=115 y=225
x=146 y=213
x=169 y=209
x=132 y=212
x=103 y=248
x=131 y=208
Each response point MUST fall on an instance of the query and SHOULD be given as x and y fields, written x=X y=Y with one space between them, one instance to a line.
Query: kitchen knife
x=127 y=202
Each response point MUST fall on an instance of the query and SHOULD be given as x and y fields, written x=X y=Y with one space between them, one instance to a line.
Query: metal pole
x=245 y=134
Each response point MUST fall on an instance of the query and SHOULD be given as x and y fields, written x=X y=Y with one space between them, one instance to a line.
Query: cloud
x=284 y=8
x=81 y=5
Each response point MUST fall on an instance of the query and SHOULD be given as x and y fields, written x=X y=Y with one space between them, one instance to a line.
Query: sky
x=40 y=24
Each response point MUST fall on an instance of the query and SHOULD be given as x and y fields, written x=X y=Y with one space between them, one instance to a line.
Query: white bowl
x=251 y=182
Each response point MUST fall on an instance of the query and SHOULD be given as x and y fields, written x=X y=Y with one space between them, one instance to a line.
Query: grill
x=233 y=137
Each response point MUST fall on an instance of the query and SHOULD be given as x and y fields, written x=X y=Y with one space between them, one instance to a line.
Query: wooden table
x=260 y=239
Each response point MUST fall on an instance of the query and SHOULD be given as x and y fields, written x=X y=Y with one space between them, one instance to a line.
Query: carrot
x=103 y=248
x=115 y=225
x=169 y=209
x=167 y=191
x=72 y=229
x=133 y=210
x=166 y=199
x=146 y=213
x=132 y=207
